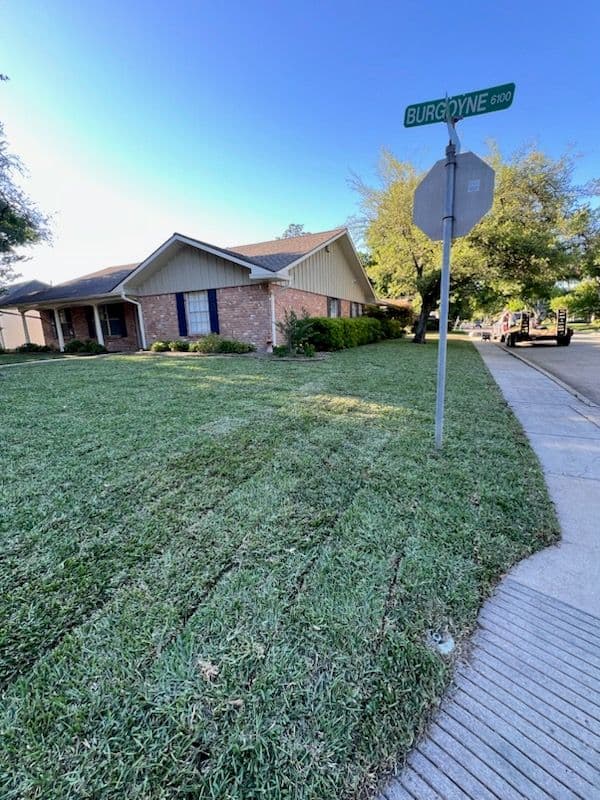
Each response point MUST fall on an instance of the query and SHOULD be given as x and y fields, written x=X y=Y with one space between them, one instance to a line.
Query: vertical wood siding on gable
x=192 y=270
x=331 y=274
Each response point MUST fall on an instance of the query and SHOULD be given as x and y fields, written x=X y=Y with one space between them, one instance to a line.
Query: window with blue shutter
x=181 y=319
x=213 y=311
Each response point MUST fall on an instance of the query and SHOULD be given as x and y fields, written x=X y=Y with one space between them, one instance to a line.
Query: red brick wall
x=160 y=318
x=245 y=313
x=81 y=331
x=345 y=308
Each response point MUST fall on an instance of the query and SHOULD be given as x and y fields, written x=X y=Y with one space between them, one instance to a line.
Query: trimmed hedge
x=90 y=347
x=338 y=333
x=213 y=343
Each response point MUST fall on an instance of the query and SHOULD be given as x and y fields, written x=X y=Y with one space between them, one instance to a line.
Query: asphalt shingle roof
x=273 y=255
x=277 y=254
x=21 y=292
x=91 y=285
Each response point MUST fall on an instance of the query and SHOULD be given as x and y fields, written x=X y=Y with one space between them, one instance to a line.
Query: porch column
x=98 y=326
x=59 y=333
x=25 y=328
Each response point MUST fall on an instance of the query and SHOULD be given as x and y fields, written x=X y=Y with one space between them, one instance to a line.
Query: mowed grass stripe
x=287 y=660
x=300 y=495
x=35 y=613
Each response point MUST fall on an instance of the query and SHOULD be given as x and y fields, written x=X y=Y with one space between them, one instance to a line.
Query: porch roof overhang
x=71 y=302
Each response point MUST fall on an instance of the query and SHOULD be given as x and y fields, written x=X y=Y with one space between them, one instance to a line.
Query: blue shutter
x=213 y=311
x=181 y=314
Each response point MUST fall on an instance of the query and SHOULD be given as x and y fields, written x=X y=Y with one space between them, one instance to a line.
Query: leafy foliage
x=213 y=343
x=582 y=301
x=21 y=223
x=159 y=347
x=296 y=329
x=293 y=229
x=338 y=333
x=540 y=230
x=88 y=347
x=179 y=346
x=32 y=347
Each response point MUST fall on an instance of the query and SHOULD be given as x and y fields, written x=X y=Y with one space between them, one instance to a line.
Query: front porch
x=113 y=324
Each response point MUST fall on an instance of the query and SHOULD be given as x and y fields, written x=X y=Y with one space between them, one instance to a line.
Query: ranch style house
x=187 y=288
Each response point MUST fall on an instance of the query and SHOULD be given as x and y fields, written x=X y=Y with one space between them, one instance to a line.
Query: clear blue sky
x=228 y=120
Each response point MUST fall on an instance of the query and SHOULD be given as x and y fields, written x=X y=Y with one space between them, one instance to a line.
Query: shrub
x=31 y=347
x=296 y=330
x=234 y=346
x=308 y=350
x=337 y=333
x=178 y=346
x=213 y=343
x=90 y=347
x=159 y=347
x=392 y=328
x=400 y=317
x=280 y=350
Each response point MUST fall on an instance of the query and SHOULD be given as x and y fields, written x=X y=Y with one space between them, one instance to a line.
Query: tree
x=540 y=230
x=582 y=301
x=405 y=262
x=21 y=223
x=293 y=229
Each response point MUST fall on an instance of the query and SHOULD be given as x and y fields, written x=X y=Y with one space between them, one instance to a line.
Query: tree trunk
x=428 y=303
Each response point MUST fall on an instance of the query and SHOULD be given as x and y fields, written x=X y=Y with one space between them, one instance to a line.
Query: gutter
x=140 y=317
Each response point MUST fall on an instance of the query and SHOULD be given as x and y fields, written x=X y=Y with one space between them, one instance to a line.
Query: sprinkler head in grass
x=443 y=642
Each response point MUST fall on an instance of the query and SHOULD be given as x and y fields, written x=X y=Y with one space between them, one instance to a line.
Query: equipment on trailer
x=516 y=326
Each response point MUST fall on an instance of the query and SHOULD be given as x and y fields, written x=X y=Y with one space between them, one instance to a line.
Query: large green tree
x=21 y=223
x=539 y=231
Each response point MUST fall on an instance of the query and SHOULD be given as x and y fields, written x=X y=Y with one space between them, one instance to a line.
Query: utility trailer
x=515 y=327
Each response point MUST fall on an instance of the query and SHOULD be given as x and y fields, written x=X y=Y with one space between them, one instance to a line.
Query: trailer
x=517 y=326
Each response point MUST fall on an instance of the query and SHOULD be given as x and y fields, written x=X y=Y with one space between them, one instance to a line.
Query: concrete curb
x=567 y=387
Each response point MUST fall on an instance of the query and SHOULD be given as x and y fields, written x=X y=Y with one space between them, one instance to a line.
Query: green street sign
x=461 y=105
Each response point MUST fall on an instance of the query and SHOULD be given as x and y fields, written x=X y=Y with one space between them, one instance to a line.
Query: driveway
x=577 y=365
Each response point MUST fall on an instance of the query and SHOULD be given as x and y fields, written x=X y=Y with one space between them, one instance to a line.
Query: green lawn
x=218 y=574
x=21 y=358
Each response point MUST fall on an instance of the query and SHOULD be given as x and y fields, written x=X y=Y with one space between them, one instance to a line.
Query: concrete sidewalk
x=522 y=718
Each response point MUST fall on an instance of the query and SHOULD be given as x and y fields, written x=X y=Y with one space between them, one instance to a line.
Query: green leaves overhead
x=540 y=230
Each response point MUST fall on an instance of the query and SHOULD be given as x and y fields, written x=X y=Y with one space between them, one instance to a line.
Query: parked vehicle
x=513 y=327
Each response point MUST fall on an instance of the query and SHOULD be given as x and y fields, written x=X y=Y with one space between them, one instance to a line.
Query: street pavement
x=577 y=365
x=522 y=718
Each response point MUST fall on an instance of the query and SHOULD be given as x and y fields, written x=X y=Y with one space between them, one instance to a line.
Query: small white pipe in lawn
x=25 y=328
x=59 y=333
x=140 y=317
x=98 y=325
x=273 y=325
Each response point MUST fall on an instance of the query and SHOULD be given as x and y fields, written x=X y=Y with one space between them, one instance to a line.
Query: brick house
x=188 y=288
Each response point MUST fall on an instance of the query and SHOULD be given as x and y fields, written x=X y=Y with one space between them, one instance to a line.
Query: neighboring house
x=186 y=289
x=20 y=327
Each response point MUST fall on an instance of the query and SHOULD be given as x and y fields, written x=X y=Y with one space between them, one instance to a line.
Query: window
x=356 y=309
x=198 y=314
x=66 y=322
x=333 y=307
x=112 y=319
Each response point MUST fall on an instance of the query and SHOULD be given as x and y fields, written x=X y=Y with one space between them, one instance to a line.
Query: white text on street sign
x=461 y=105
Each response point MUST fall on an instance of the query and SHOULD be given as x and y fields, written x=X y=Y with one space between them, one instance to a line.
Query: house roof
x=277 y=254
x=273 y=256
x=21 y=292
x=94 y=284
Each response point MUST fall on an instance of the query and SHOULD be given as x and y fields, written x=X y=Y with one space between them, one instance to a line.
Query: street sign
x=461 y=105
x=473 y=196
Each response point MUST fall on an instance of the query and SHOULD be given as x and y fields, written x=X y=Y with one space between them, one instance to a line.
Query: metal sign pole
x=447 y=224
